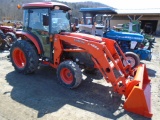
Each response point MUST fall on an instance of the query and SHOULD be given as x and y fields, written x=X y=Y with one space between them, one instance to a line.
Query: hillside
x=8 y=7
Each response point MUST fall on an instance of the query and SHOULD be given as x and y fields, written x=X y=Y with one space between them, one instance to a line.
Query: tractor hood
x=84 y=36
x=112 y=34
x=6 y=27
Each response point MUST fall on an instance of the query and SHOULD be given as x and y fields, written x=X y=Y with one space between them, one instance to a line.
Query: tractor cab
x=44 y=19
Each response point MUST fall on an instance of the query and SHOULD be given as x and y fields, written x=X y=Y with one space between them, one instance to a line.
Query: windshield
x=60 y=21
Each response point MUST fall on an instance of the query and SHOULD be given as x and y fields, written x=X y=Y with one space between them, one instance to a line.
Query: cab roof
x=101 y=10
x=46 y=5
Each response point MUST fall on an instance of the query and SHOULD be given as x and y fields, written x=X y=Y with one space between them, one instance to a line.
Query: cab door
x=37 y=28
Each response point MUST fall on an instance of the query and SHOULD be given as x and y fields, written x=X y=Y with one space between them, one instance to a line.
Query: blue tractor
x=132 y=44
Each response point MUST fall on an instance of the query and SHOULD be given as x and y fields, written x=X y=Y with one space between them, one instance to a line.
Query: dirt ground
x=39 y=96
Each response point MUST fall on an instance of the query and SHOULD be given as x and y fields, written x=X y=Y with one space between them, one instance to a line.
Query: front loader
x=55 y=45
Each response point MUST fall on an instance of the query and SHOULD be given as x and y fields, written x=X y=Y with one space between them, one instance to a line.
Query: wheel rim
x=130 y=60
x=19 y=58
x=9 y=40
x=66 y=75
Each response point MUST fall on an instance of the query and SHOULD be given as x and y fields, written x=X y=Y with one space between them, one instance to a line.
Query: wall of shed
x=124 y=19
x=115 y=22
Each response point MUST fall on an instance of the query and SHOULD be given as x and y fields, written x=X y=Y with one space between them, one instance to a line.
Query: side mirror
x=75 y=21
x=69 y=14
x=45 y=20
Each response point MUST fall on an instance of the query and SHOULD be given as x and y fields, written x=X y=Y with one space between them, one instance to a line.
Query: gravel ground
x=39 y=96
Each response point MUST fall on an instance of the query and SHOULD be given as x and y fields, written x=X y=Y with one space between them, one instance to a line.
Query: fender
x=32 y=38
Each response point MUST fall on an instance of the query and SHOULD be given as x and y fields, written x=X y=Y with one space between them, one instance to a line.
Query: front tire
x=24 y=57
x=69 y=74
x=132 y=58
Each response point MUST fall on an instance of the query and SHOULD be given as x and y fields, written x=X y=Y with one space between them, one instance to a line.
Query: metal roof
x=111 y=10
x=144 y=11
x=46 y=5
x=101 y=10
x=150 y=7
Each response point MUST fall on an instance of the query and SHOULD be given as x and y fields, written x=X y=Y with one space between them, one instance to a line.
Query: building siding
x=124 y=19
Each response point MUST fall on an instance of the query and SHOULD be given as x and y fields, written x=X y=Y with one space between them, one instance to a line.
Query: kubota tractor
x=47 y=39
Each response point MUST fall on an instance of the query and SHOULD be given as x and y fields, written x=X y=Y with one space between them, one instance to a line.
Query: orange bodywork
x=134 y=84
x=139 y=98
x=105 y=55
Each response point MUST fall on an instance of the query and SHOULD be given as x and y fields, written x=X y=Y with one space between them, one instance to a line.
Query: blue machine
x=129 y=42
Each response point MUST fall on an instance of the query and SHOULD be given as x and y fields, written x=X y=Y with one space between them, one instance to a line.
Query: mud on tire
x=69 y=74
x=24 y=57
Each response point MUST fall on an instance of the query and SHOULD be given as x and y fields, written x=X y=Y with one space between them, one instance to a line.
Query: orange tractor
x=47 y=38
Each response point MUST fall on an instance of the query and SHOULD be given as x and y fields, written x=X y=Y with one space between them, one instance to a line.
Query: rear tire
x=69 y=74
x=2 y=42
x=132 y=58
x=24 y=57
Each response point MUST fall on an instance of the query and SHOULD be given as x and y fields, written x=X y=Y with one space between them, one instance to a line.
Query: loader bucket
x=138 y=100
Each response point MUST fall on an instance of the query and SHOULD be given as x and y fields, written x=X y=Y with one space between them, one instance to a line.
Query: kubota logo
x=80 y=41
x=94 y=46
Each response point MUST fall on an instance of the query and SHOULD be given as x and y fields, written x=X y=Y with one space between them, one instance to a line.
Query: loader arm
x=107 y=55
x=104 y=55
